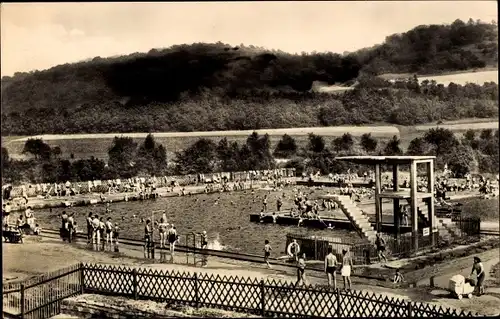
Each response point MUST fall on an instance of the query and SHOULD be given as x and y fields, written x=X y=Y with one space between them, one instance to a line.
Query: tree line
x=374 y=100
x=472 y=152
x=204 y=86
x=429 y=49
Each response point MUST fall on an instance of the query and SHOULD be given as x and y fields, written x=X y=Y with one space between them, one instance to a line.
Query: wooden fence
x=364 y=253
x=361 y=253
x=41 y=298
x=468 y=226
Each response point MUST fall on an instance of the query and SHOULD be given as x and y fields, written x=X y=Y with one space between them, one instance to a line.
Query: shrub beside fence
x=41 y=298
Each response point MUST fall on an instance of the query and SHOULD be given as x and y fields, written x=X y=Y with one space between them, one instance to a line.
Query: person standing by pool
x=109 y=232
x=116 y=234
x=102 y=231
x=479 y=269
x=64 y=220
x=96 y=234
x=71 y=227
x=172 y=238
x=204 y=245
x=148 y=232
x=331 y=267
x=301 y=270
x=89 y=228
x=267 y=253
x=264 y=203
x=380 y=243
x=346 y=269
x=162 y=229
x=405 y=216
x=279 y=203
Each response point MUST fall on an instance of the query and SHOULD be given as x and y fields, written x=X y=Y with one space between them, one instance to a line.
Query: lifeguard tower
x=421 y=203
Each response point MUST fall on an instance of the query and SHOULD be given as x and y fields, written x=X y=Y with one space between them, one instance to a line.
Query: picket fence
x=41 y=297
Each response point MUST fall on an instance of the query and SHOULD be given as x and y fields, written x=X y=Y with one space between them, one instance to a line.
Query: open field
x=461 y=127
x=462 y=78
x=86 y=145
x=84 y=148
x=375 y=130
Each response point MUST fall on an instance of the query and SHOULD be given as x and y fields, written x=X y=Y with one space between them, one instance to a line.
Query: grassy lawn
x=86 y=145
x=486 y=209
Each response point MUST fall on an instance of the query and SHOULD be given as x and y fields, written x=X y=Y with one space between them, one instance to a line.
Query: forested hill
x=169 y=89
x=434 y=49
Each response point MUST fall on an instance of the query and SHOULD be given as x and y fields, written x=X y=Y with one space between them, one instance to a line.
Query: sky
x=37 y=36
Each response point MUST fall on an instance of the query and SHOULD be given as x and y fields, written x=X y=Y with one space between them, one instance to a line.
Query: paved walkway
x=442 y=281
x=52 y=253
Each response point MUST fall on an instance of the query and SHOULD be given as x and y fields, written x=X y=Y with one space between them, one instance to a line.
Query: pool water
x=225 y=217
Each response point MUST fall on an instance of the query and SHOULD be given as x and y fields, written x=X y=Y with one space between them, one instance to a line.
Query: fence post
x=82 y=279
x=23 y=302
x=262 y=298
x=196 y=293
x=315 y=248
x=134 y=282
x=339 y=311
x=409 y=309
x=153 y=250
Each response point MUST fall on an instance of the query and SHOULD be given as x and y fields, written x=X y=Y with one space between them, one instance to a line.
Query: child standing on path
x=301 y=268
x=346 y=269
x=380 y=243
x=267 y=253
